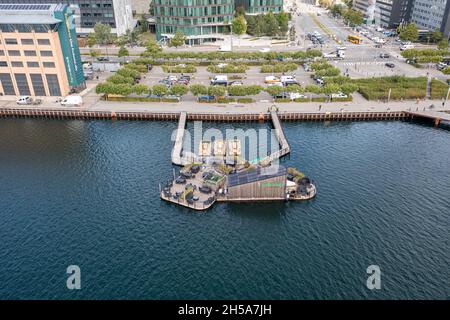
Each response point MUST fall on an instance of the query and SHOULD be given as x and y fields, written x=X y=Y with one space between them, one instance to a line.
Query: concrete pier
x=177 y=150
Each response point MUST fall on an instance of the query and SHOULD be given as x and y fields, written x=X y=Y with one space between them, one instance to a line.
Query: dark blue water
x=86 y=193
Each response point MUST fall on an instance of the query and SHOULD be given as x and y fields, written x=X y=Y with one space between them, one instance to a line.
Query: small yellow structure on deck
x=234 y=148
x=219 y=148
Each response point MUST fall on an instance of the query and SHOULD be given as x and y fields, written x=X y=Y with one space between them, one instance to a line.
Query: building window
x=48 y=64
x=38 y=84
x=16 y=64
x=14 y=53
x=2 y=53
x=10 y=41
x=53 y=84
x=30 y=53
x=46 y=53
x=3 y=64
x=7 y=84
x=43 y=42
x=27 y=41
x=32 y=64
x=22 y=84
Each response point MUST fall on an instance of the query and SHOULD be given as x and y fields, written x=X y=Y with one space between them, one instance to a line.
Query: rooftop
x=29 y=13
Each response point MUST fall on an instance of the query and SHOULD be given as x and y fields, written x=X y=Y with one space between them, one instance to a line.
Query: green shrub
x=282 y=100
x=230 y=68
x=179 y=69
x=401 y=87
x=244 y=90
x=226 y=100
x=446 y=70
x=278 y=67
x=439 y=89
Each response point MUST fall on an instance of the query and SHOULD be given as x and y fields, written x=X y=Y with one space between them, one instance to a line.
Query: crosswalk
x=349 y=63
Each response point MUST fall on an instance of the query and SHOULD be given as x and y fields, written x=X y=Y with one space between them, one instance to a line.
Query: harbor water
x=86 y=193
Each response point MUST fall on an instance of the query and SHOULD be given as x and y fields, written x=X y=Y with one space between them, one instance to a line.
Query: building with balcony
x=39 y=54
x=116 y=13
x=200 y=20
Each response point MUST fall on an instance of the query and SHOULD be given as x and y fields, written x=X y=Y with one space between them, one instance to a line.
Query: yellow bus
x=354 y=39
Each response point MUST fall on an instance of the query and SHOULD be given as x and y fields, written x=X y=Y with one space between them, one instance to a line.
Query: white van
x=285 y=79
x=406 y=47
x=72 y=101
x=220 y=79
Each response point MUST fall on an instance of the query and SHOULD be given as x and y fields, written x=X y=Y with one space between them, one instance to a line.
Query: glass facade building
x=116 y=13
x=260 y=6
x=39 y=54
x=199 y=20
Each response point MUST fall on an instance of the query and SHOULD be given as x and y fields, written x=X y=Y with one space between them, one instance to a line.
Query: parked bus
x=355 y=39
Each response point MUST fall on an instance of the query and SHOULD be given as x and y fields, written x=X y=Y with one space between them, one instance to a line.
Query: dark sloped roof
x=248 y=176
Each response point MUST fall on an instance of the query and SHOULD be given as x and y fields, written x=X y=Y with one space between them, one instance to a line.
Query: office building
x=199 y=20
x=260 y=6
x=385 y=13
x=432 y=15
x=116 y=13
x=39 y=54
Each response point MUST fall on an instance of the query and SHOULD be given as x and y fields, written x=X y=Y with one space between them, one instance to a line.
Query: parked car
x=220 y=80
x=236 y=83
x=278 y=83
x=206 y=98
x=271 y=79
x=320 y=81
x=390 y=65
x=339 y=95
x=296 y=95
x=384 y=55
x=25 y=100
x=102 y=59
x=441 y=66
x=72 y=101
x=263 y=50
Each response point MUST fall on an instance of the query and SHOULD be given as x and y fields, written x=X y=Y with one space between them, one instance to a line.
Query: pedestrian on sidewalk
x=320 y=107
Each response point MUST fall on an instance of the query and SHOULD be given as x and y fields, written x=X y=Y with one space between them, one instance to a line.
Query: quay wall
x=226 y=117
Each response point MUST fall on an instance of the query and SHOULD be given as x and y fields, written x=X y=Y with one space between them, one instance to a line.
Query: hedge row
x=279 y=67
x=179 y=69
x=439 y=89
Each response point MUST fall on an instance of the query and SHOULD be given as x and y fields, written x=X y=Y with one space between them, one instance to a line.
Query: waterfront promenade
x=92 y=104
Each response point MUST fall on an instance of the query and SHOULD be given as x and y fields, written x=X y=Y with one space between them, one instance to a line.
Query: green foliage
x=178 y=39
x=179 y=89
x=294 y=88
x=353 y=17
x=108 y=88
x=424 y=55
x=408 y=32
x=141 y=89
x=117 y=79
x=274 y=90
x=128 y=72
x=123 y=52
x=152 y=48
x=330 y=88
x=443 y=44
x=239 y=25
x=436 y=36
x=198 y=89
x=179 y=69
x=439 y=89
x=283 y=22
x=313 y=88
x=159 y=90
x=91 y=40
x=446 y=70
x=244 y=90
x=278 y=67
x=348 y=88
x=216 y=91
x=143 y=24
x=102 y=33
x=329 y=72
x=229 y=68
x=401 y=87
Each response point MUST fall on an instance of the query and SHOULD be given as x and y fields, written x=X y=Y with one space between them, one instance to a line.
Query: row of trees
x=126 y=89
x=350 y=16
x=266 y=24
